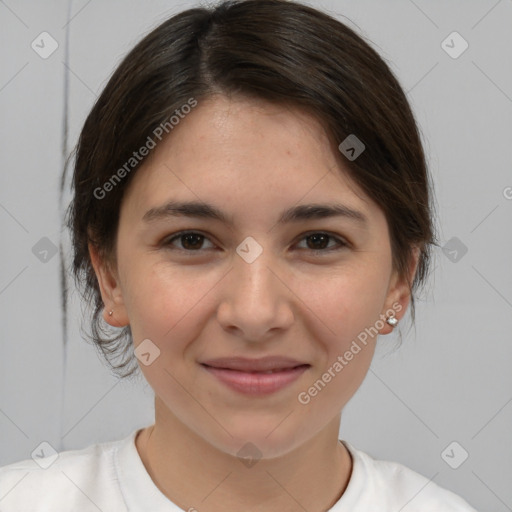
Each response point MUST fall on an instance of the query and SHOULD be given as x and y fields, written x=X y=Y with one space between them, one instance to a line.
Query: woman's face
x=251 y=286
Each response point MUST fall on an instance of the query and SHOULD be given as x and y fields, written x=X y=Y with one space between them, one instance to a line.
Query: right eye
x=191 y=241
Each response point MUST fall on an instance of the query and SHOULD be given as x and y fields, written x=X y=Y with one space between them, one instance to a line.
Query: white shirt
x=110 y=477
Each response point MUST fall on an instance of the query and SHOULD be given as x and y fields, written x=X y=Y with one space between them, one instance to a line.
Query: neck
x=195 y=475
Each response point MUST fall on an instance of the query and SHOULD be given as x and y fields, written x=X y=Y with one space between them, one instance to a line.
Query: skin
x=252 y=160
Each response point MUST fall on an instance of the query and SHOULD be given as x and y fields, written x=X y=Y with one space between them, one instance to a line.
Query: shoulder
x=69 y=480
x=398 y=487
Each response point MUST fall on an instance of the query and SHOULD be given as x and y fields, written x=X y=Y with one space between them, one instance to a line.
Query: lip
x=262 y=364
x=256 y=383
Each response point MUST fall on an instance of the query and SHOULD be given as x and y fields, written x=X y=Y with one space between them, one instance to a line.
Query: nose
x=256 y=299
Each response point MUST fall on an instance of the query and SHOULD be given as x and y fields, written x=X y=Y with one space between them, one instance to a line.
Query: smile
x=257 y=382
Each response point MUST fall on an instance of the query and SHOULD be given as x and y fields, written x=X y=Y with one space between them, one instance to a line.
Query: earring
x=391 y=320
x=110 y=313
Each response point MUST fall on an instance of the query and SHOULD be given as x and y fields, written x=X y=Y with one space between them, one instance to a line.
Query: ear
x=111 y=293
x=399 y=295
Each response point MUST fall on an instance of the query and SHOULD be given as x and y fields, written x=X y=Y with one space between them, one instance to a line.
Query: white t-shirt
x=110 y=477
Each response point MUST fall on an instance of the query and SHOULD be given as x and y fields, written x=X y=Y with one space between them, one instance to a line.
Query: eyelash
x=341 y=243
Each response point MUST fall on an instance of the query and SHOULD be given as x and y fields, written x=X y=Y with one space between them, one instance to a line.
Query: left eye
x=192 y=241
x=319 y=241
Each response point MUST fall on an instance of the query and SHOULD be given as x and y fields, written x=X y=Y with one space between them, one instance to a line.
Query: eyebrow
x=294 y=214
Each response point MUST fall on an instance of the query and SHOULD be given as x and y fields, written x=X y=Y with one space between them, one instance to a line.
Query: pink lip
x=261 y=364
x=257 y=383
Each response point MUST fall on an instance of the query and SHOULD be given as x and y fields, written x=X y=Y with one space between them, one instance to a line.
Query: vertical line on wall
x=62 y=256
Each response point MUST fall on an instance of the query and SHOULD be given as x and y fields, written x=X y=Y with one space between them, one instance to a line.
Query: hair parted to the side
x=277 y=50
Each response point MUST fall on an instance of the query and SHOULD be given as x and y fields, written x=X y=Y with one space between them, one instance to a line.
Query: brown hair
x=277 y=50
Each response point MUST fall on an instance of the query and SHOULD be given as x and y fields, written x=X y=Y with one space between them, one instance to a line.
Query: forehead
x=245 y=152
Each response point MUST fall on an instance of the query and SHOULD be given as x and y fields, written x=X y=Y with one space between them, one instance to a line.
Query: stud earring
x=391 y=320
x=110 y=313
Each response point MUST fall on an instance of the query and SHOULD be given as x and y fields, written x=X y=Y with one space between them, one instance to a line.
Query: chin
x=257 y=441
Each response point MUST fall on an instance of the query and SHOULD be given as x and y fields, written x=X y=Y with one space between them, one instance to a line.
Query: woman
x=251 y=209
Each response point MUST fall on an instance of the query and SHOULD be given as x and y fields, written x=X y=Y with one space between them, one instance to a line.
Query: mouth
x=263 y=364
x=257 y=382
x=264 y=372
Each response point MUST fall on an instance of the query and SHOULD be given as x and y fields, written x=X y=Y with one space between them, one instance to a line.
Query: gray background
x=451 y=379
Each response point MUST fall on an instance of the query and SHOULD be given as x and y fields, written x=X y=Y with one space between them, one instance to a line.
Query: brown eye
x=190 y=241
x=319 y=242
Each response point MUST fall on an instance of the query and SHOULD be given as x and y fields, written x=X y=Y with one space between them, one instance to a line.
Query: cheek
x=166 y=303
x=345 y=302
x=348 y=310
